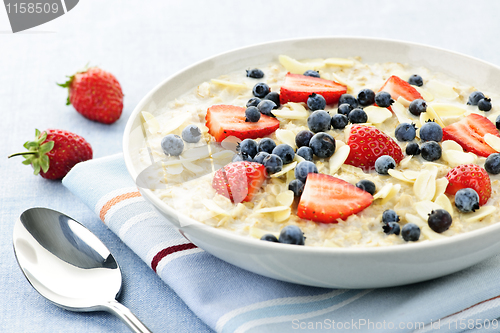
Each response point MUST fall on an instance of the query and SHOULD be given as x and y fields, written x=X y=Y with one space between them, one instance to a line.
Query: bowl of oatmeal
x=191 y=136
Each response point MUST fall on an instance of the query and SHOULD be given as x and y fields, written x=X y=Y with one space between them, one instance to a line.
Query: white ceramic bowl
x=325 y=267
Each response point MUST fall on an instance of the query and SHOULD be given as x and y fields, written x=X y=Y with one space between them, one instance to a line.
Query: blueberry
x=322 y=145
x=497 y=122
x=312 y=73
x=484 y=104
x=252 y=114
x=248 y=147
x=383 y=99
x=316 y=102
x=255 y=73
x=303 y=169
x=439 y=220
x=261 y=90
x=319 y=121
x=275 y=97
x=344 y=109
x=242 y=157
x=254 y=101
x=172 y=145
x=348 y=99
x=269 y=238
x=384 y=163
x=285 y=152
x=417 y=106
x=366 y=97
x=389 y=215
x=405 y=132
x=431 y=151
x=191 y=134
x=416 y=80
x=303 y=137
x=267 y=145
x=466 y=200
x=431 y=131
x=292 y=234
x=339 y=121
x=266 y=106
x=366 y=185
x=272 y=163
x=412 y=149
x=259 y=158
x=306 y=153
x=391 y=228
x=475 y=97
x=297 y=187
x=410 y=232
x=358 y=116
x=492 y=164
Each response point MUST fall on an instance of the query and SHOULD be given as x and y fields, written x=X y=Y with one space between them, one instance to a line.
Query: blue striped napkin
x=230 y=299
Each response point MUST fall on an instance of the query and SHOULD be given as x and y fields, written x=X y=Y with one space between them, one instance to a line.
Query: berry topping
x=492 y=164
x=319 y=121
x=469 y=133
x=285 y=152
x=417 y=106
x=416 y=80
x=431 y=151
x=260 y=90
x=439 y=220
x=384 y=163
x=303 y=169
x=366 y=97
x=266 y=106
x=297 y=88
x=348 y=99
x=412 y=149
x=475 y=97
x=431 y=131
x=367 y=185
x=252 y=114
x=303 y=137
x=322 y=145
x=172 y=145
x=306 y=153
x=312 y=73
x=247 y=147
x=344 y=109
x=398 y=87
x=326 y=199
x=254 y=101
x=267 y=145
x=391 y=228
x=358 y=116
x=255 y=73
x=291 y=234
x=484 y=104
x=272 y=163
x=339 y=121
x=466 y=200
x=316 y=102
x=269 y=238
x=390 y=215
x=368 y=143
x=472 y=176
x=383 y=99
x=410 y=232
x=259 y=158
x=226 y=120
x=405 y=132
x=297 y=187
x=191 y=134
x=239 y=181
x=275 y=97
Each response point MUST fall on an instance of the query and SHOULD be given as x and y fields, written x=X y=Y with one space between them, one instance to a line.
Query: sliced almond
x=430 y=234
x=299 y=107
x=441 y=185
x=425 y=207
x=150 y=122
x=339 y=158
x=451 y=145
x=448 y=110
x=340 y=62
x=455 y=158
x=445 y=203
x=298 y=158
x=392 y=193
x=285 y=198
x=213 y=207
x=290 y=175
x=339 y=143
x=223 y=155
x=404 y=162
x=203 y=90
x=377 y=115
x=415 y=219
x=479 y=214
x=383 y=192
x=272 y=209
x=285 y=169
x=297 y=67
x=229 y=84
x=289 y=114
x=493 y=141
x=441 y=89
x=425 y=185
x=192 y=167
x=175 y=123
x=406 y=103
x=411 y=174
x=196 y=153
x=286 y=136
x=434 y=116
x=426 y=95
x=341 y=81
x=174 y=169
x=282 y=215
x=401 y=112
x=400 y=176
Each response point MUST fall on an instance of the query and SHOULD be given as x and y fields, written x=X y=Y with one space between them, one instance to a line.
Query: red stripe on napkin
x=169 y=250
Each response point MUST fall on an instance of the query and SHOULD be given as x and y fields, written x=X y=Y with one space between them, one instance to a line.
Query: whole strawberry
x=54 y=152
x=96 y=94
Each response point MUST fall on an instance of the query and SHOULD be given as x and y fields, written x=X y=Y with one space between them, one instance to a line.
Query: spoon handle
x=122 y=312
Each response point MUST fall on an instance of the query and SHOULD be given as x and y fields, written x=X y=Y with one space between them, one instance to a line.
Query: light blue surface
x=142 y=43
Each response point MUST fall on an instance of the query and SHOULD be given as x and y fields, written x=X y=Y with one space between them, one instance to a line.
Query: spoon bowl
x=68 y=265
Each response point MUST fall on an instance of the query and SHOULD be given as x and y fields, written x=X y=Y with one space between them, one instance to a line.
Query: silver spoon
x=67 y=264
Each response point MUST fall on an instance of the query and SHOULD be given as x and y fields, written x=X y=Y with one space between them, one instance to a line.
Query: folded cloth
x=230 y=299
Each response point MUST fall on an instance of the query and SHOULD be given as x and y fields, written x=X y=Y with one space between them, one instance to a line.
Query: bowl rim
x=277 y=247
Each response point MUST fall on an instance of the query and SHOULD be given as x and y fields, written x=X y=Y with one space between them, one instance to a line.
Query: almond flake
x=289 y=114
x=339 y=143
x=401 y=112
x=441 y=89
x=430 y=234
x=493 y=141
x=299 y=107
x=404 y=162
x=290 y=175
x=448 y=110
x=400 y=176
x=340 y=62
x=223 y=154
x=272 y=209
x=297 y=67
x=441 y=185
x=377 y=115
x=175 y=123
x=285 y=169
x=286 y=136
x=443 y=201
x=432 y=114
x=392 y=193
x=479 y=214
x=406 y=103
x=298 y=158
x=455 y=158
x=285 y=198
x=150 y=122
x=196 y=153
x=411 y=174
x=427 y=96
x=425 y=185
x=213 y=207
x=383 y=192
x=282 y=215
x=174 y=169
x=451 y=145
x=192 y=167
x=425 y=207
x=415 y=219
x=229 y=84
x=339 y=158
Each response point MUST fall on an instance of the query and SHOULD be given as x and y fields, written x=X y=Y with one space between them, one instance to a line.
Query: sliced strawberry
x=326 y=199
x=398 y=87
x=239 y=181
x=368 y=143
x=469 y=133
x=297 y=88
x=469 y=176
x=226 y=120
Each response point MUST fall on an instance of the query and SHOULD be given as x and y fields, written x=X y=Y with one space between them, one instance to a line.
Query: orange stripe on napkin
x=116 y=200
